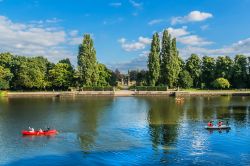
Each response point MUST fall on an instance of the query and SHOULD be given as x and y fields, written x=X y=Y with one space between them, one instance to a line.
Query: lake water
x=125 y=131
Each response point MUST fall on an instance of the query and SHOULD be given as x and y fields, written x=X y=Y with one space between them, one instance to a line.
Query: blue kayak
x=218 y=127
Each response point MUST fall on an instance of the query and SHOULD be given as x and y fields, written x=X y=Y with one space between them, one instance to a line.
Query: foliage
x=139 y=76
x=154 y=60
x=174 y=65
x=171 y=62
x=240 y=75
x=221 y=83
x=193 y=66
x=224 y=67
x=165 y=67
x=87 y=63
x=5 y=78
x=165 y=57
x=104 y=75
x=6 y=60
x=61 y=76
x=30 y=73
x=208 y=70
x=185 y=80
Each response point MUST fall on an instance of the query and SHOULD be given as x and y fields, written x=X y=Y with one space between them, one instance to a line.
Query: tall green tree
x=239 y=76
x=248 y=72
x=208 y=70
x=61 y=76
x=142 y=79
x=174 y=66
x=6 y=60
x=166 y=52
x=87 y=63
x=67 y=61
x=185 y=80
x=224 y=68
x=154 y=60
x=170 y=61
x=104 y=75
x=29 y=73
x=5 y=77
x=193 y=66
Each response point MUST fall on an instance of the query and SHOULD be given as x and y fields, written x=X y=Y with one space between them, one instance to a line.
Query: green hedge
x=148 y=88
x=97 y=88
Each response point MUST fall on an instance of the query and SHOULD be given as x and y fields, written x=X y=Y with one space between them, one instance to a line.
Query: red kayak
x=37 y=132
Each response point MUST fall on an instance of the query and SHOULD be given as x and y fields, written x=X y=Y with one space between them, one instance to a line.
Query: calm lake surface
x=125 y=131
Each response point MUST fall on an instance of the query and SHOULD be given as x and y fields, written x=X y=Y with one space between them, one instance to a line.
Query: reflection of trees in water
x=163 y=119
x=239 y=114
x=234 y=109
x=91 y=110
x=226 y=108
x=165 y=114
x=163 y=134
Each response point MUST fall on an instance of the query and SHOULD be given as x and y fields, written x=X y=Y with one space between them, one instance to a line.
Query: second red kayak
x=37 y=132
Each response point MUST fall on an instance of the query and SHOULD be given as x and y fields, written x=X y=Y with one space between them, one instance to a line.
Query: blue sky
x=122 y=29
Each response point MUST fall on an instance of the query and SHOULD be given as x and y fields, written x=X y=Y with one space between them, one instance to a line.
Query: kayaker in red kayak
x=31 y=131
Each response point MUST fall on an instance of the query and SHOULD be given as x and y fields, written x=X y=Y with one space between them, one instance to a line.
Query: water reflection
x=126 y=130
x=163 y=119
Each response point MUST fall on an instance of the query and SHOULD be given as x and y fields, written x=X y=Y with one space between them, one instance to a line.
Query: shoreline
x=127 y=93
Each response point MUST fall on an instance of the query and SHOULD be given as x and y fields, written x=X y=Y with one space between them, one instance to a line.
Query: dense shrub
x=185 y=80
x=221 y=83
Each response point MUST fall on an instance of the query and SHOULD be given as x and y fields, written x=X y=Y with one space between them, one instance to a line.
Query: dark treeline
x=165 y=68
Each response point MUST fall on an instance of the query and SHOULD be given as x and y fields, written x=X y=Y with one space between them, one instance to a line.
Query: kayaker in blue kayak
x=220 y=123
x=210 y=124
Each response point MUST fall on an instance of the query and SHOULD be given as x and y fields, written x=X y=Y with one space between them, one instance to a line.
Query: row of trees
x=19 y=72
x=164 y=63
x=165 y=67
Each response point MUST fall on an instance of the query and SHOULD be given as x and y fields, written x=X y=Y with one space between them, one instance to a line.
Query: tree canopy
x=165 y=68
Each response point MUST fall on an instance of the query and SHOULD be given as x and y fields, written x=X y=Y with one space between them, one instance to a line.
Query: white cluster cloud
x=240 y=47
x=186 y=38
x=35 y=40
x=193 y=40
x=177 y=32
x=194 y=16
x=134 y=46
x=16 y=33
